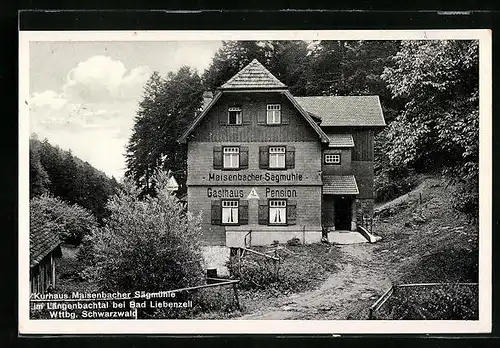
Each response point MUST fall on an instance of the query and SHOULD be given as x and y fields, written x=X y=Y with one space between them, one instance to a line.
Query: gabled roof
x=340 y=140
x=340 y=185
x=43 y=240
x=345 y=110
x=253 y=76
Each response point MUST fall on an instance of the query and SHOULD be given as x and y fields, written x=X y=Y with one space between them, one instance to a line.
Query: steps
x=346 y=237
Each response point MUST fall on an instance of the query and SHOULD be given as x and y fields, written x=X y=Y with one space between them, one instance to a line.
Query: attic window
x=273 y=113
x=332 y=159
x=234 y=115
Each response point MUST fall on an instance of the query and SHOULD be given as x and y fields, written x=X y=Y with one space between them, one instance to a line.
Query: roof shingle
x=43 y=240
x=253 y=76
x=340 y=140
x=340 y=185
x=344 y=110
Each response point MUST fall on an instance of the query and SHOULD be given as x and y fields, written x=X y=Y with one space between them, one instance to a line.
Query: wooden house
x=262 y=160
x=45 y=247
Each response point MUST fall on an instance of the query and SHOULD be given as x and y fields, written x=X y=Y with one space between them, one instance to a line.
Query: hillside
x=59 y=173
x=422 y=242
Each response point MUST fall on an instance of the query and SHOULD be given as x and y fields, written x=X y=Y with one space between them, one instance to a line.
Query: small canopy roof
x=340 y=185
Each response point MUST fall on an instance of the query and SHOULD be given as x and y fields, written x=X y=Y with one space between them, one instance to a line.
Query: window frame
x=224 y=157
x=236 y=208
x=333 y=155
x=240 y=115
x=285 y=212
x=278 y=154
x=268 y=109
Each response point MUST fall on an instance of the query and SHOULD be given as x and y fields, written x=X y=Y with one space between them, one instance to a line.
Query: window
x=231 y=157
x=273 y=114
x=277 y=157
x=234 y=115
x=332 y=158
x=277 y=212
x=230 y=212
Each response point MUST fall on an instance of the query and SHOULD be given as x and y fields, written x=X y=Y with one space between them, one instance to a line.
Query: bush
x=449 y=302
x=149 y=244
x=292 y=273
x=390 y=185
x=72 y=222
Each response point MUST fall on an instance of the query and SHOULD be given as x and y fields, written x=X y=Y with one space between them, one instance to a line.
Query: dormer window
x=234 y=115
x=273 y=113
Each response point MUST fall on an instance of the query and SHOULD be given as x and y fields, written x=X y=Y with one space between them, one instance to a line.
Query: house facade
x=262 y=160
x=45 y=247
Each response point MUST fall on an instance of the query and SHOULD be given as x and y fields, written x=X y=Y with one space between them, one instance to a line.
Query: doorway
x=342 y=213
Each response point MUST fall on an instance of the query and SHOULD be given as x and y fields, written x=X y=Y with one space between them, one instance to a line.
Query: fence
x=386 y=306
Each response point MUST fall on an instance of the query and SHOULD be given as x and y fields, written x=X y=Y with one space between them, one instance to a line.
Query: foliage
x=439 y=126
x=306 y=266
x=448 y=302
x=63 y=175
x=352 y=68
x=168 y=107
x=146 y=244
x=72 y=222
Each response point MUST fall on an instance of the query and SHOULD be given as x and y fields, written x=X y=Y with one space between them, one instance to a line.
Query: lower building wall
x=308 y=210
x=266 y=236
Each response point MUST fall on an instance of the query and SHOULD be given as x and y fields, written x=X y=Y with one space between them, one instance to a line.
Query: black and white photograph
x=255 y=182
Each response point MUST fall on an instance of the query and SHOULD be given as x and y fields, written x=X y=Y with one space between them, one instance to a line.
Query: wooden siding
x=363 y=172
x=308 y=209
x=344 y=168
x=307 y=164
x=253 y=107
x=363 y=145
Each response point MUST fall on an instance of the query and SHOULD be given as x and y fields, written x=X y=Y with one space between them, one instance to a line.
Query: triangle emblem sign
x=253 y=194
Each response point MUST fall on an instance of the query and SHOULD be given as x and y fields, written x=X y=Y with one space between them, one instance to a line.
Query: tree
x=60 y=173
x=352 y=68
x=168 y=107
x=148 y=243
x=439 y=126
x=72 y=222
x=39 y=179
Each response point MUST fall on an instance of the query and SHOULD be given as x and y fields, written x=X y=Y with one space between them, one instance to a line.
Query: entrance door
x=342 y=213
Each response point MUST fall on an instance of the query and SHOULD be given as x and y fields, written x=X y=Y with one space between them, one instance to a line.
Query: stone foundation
x=267 y=235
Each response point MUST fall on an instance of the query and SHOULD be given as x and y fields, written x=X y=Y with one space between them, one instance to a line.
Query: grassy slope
x=437 y=243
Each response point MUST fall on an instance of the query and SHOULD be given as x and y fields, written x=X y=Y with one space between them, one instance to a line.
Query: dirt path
x=347 y=294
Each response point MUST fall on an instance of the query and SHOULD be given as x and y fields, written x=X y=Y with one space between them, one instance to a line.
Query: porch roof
x=340 y=185
x=340 y=140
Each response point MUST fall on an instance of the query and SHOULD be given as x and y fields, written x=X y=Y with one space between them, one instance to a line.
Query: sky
x=84 y=95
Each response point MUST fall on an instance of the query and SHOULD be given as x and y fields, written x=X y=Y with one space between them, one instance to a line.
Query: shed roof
x=340 y=140
x=252 y=76
x=340 y=185
x=43 y=240
x=345 y=110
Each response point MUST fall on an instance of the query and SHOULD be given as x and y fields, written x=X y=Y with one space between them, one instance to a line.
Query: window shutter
x=245 y=115
x=216 y=212
x=291 y=212
x=223 y=115
x=290 y=157
x=264 y=157
x=261 y=114
x=263 y=212
x=285 y=119
x=243 y=212
x=243 y=157
x=217 y=157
